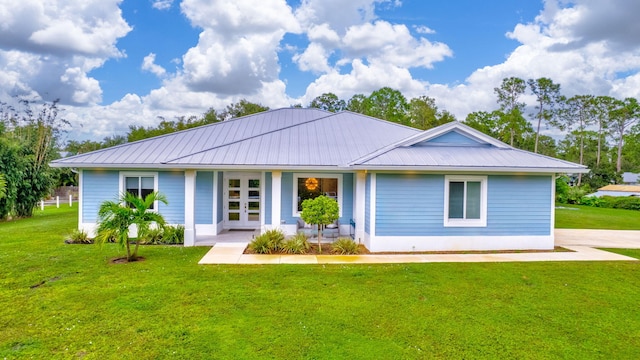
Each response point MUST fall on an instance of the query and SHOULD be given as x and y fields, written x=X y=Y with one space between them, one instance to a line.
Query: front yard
x=68 y=301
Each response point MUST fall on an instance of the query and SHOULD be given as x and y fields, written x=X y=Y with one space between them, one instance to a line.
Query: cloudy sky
x=113 y=63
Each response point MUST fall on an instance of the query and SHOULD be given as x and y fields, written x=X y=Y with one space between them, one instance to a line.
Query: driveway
x=625 y=239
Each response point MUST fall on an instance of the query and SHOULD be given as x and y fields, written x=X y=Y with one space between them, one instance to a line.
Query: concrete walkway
x=622 y=239
x=580 y=242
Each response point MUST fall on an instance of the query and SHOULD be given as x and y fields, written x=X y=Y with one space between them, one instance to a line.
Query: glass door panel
x=242 y=200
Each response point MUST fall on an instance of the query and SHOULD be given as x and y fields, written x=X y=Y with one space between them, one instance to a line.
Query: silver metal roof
x=308 y=138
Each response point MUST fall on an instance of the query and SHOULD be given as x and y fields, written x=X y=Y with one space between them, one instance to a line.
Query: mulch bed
x=326 y=250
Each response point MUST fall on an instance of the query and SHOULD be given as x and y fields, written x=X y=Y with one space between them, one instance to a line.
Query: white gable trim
x=427 y=135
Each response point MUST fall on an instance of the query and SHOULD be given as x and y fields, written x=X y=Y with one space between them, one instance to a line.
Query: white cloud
x=237 y=50
x=48 y=47
x=314 y=58
x=162 y=4
x=148 y=64
x=382 y=41
x=424 y=30
x=364 y=79
x=560 y=45
x=338 y=14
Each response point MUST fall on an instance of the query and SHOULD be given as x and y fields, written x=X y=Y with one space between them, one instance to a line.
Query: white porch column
x=276 y=198
x=359 y=206
x=189 y=207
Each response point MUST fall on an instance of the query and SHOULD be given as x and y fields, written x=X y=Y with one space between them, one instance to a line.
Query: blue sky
x=474 y=31
x=117 y=63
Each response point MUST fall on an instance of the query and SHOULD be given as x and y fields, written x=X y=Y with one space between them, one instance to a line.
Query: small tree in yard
x=321 y=211
x=115 y=218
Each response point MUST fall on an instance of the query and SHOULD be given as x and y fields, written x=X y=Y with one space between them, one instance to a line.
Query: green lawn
x=170 y=307
x=586 y=217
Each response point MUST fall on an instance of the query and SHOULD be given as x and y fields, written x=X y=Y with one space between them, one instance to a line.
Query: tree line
x=600 y=132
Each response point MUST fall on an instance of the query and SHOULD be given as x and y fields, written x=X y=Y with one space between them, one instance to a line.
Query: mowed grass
x=169 y=307
x=587 y=217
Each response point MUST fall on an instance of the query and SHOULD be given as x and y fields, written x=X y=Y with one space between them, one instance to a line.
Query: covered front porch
x=236 y=206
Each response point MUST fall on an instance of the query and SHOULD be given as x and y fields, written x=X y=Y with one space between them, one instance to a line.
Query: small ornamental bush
x=296 y=244
x=173 y=234
x=345 y=246
x=79 y=237
x=261 y=244
x=152 y=237
x=268 y=242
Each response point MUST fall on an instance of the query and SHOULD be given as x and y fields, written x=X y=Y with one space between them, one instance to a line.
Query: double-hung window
x=139 y=184
x=465 y=201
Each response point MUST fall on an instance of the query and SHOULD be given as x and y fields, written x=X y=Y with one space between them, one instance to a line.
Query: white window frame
x=482 y=222
x=296 y=176
x=125 y=174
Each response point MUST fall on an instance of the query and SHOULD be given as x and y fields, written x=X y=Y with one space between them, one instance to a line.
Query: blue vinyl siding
x=204 y=197
x=267 y=198
x=171 y=184
x=453 y=137
x=97 y=186
x=286 y=206
x=367 y=204
x=220 y=198
x=413 y=205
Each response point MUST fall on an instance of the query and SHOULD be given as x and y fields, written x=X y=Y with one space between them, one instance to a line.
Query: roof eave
x=485 y=169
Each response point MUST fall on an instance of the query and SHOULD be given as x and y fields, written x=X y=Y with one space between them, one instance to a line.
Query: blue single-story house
x=398 y=188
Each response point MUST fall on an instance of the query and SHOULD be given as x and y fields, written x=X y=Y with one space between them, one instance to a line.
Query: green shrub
x=152 y=237
x=593 y=201
x=345 y=246
x=79 y=237
x=296 y=244
x=173 y=234
x=268 y=242
x=261 y=244
x=562 y=189
x=575 y=194
x=622 y=202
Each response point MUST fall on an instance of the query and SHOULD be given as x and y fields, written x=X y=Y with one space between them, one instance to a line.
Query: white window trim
x=296 y=176
x=482 y=222
x=124 y=174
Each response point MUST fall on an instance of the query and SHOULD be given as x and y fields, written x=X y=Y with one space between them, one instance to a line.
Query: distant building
x=630 y=178
x=618 y=190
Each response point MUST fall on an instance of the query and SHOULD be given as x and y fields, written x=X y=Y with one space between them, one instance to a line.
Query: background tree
x=116 y=217
x=509 y=94
x=320 y=211
x=631 y=150
x=3 y=186
x=578 y=112
x=547 y=94
x=424 y=114
x=328 y=102
x=29 y=143
x=486 y=122
x=603 y=106
x=624 y=115
x=388 y=104
x=358 y=104
x=241 y=108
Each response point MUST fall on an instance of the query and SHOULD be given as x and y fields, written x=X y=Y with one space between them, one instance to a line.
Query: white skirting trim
x=458 y=243
x=206 y=229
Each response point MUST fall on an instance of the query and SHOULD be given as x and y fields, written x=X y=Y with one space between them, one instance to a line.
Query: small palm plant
x=115 y=218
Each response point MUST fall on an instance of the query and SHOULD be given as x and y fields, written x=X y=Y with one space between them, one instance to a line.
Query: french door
x=242 y=200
